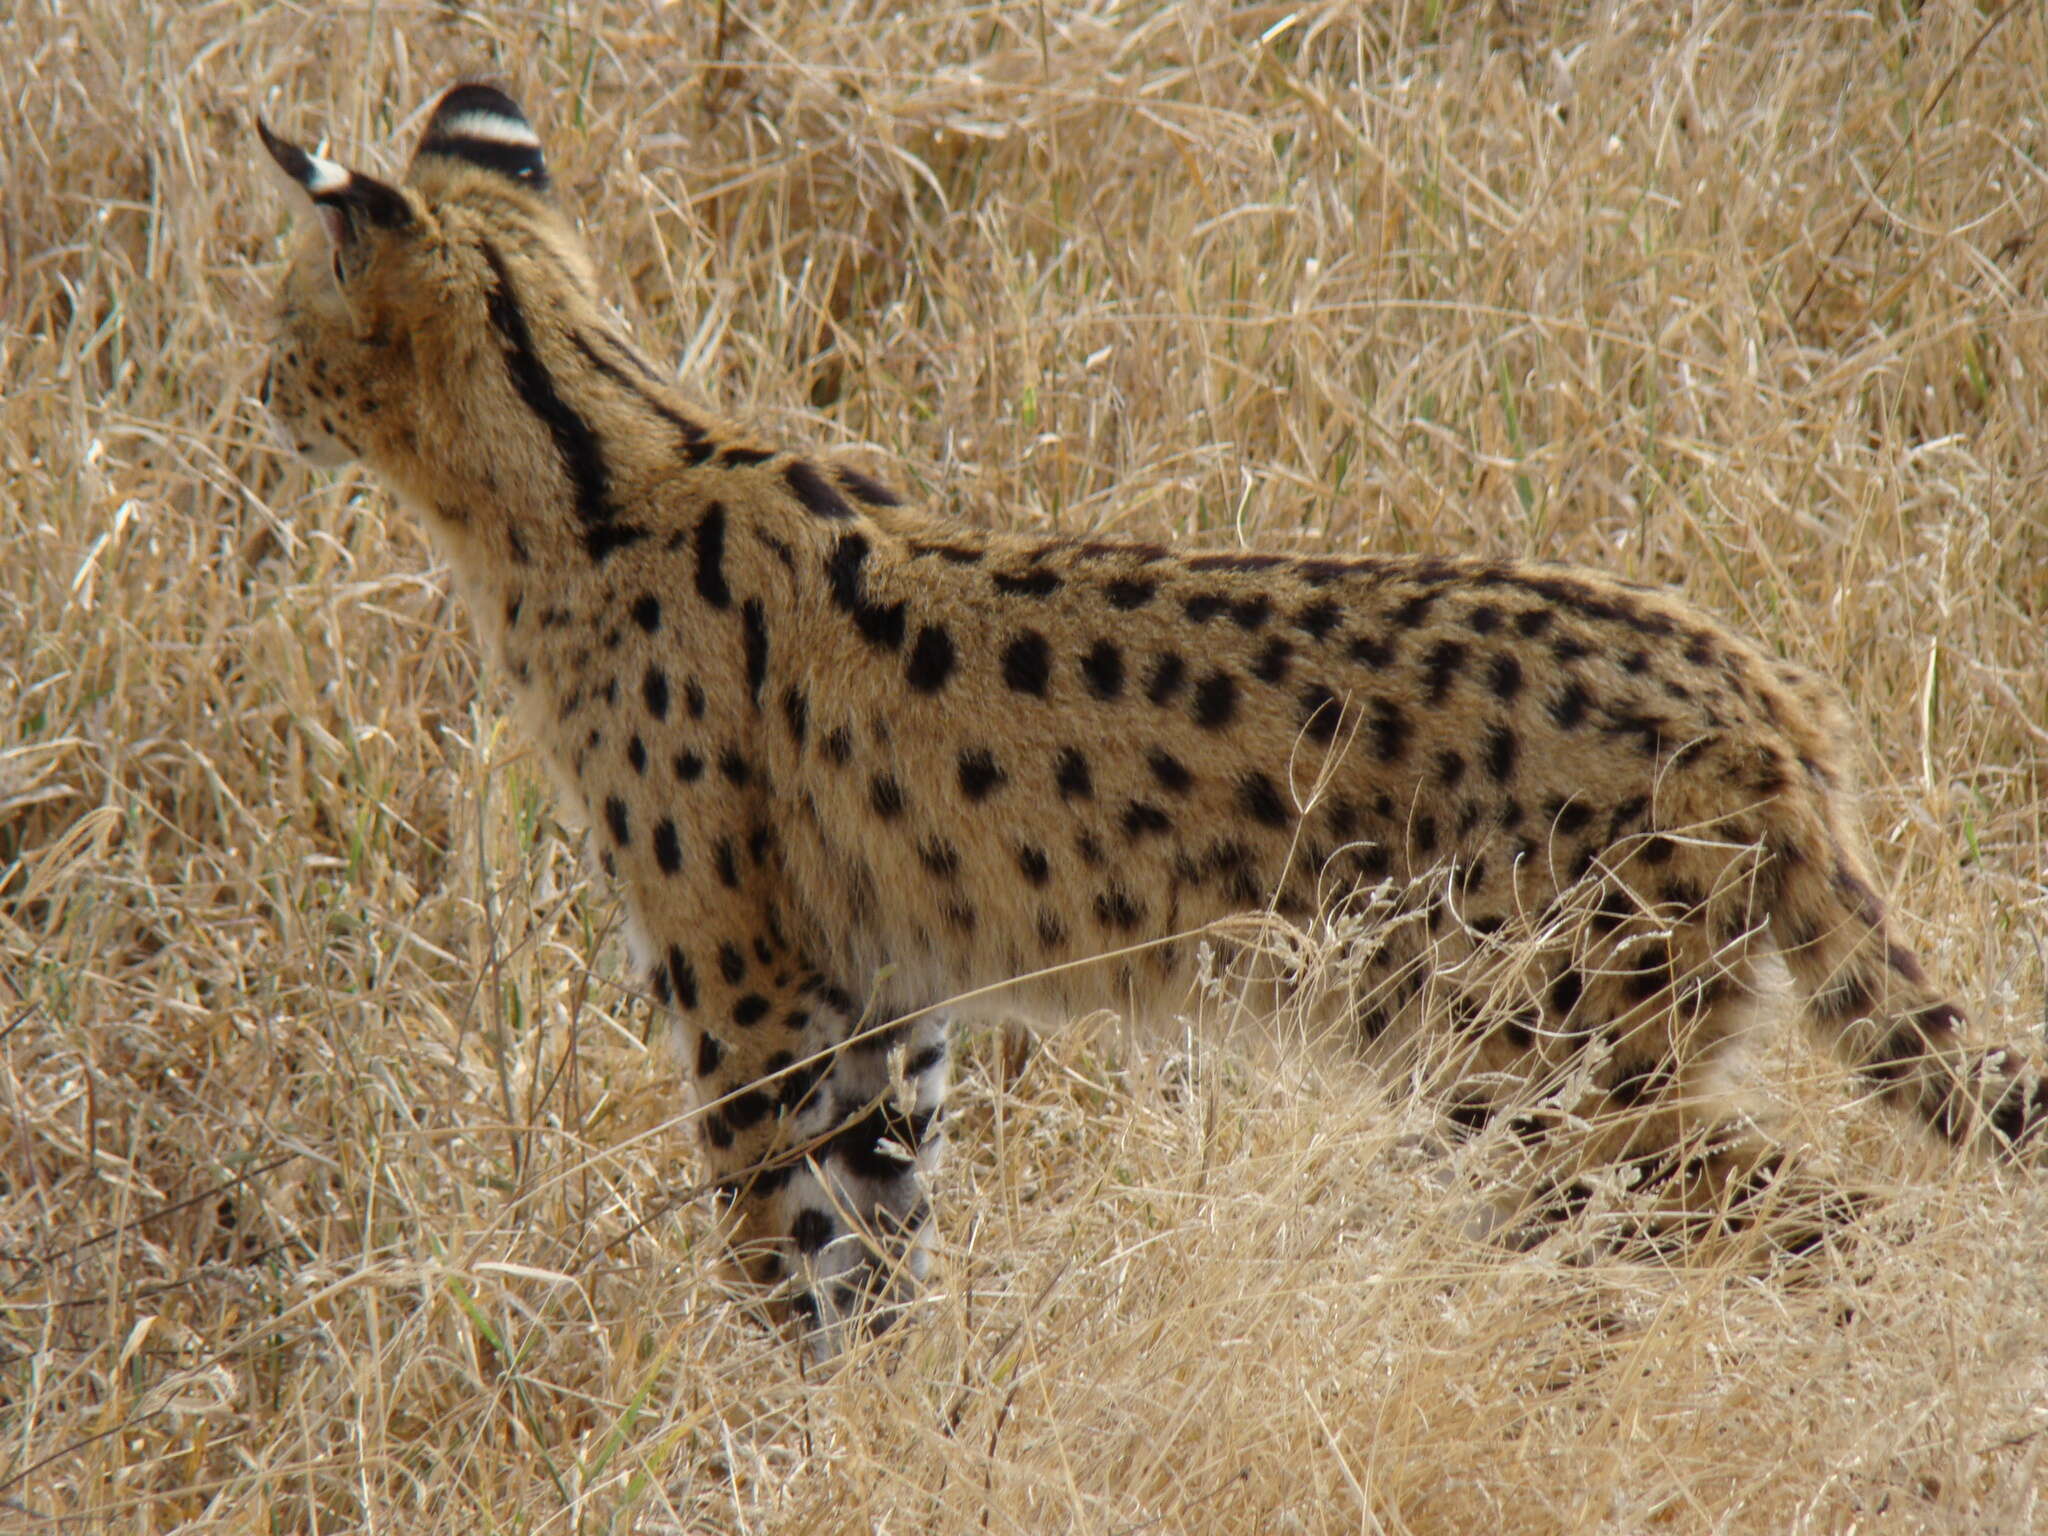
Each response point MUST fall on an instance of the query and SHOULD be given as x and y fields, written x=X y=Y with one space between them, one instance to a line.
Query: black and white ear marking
x=485 y=127
x=319 y=177
x=342 y=196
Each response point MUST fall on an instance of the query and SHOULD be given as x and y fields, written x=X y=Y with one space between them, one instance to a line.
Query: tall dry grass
x=338 y=1187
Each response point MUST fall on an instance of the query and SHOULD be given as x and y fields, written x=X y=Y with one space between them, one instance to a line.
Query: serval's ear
x=482 y=126
x=348 y=202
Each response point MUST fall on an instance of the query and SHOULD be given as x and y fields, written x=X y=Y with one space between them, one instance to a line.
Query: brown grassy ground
x=338 y=1188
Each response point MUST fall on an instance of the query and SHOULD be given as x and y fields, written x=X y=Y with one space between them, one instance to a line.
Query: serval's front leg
x=821 y=1130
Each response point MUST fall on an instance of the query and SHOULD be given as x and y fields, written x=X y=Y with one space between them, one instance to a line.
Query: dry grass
x=338 y=1189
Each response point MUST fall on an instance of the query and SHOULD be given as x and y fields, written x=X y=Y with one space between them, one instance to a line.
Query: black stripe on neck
x=581 y=452
x=692 y=433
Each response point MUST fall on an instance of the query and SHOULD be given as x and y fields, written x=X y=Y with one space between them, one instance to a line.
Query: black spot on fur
x=796 y=709
x=1648 y=728
x=1034 y=864
x=1169 y=673
x=1126 y=594
x=1570 y=817
x=654 y=691
x=1343 y=814
x=1616 y=906
x=1389 y=729
x=1261 y=801
x=1682 y=894
x=1415 y=611
x=1422 y=832
x=880 y=624
x=1501 y=747
x=1319 y=618
x=708 y=543
x=1027 y=664
x=1504 y=676
x=1118 y=911
x=615 y=818
x=863 y=1147
x=1904 y=963
x=1857 y=892
x=796 y=1084
x=682 y=978
x=1271 y=664
x=1637 y=1083
x=1565 y=992
x=952 y=554
x=668 y=848
x=979 y=775
x=1142 y=819
x=868 y=489
x=1568 y=709
x=811 y=1230
x=1243 y=561
x=1070 y=773
x=931 y=659
x=1171 y=773
x=1441 y=667
x=1626 y=815
x=886 y=796
x=1371 y=651
x=1652 y=974
x=1321 y=573
x=754 y=639
x=608 y=539
x=1215 y=701
x=817 y=494
x=1103 y=670
x=1027 y=583
x=1321 y=712
x=732 y=965
x=1250 y=612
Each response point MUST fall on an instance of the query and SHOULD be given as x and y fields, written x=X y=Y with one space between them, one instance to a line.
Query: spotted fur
x=848 y=762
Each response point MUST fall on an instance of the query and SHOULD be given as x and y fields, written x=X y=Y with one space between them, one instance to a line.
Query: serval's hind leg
x=1635 y=1137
